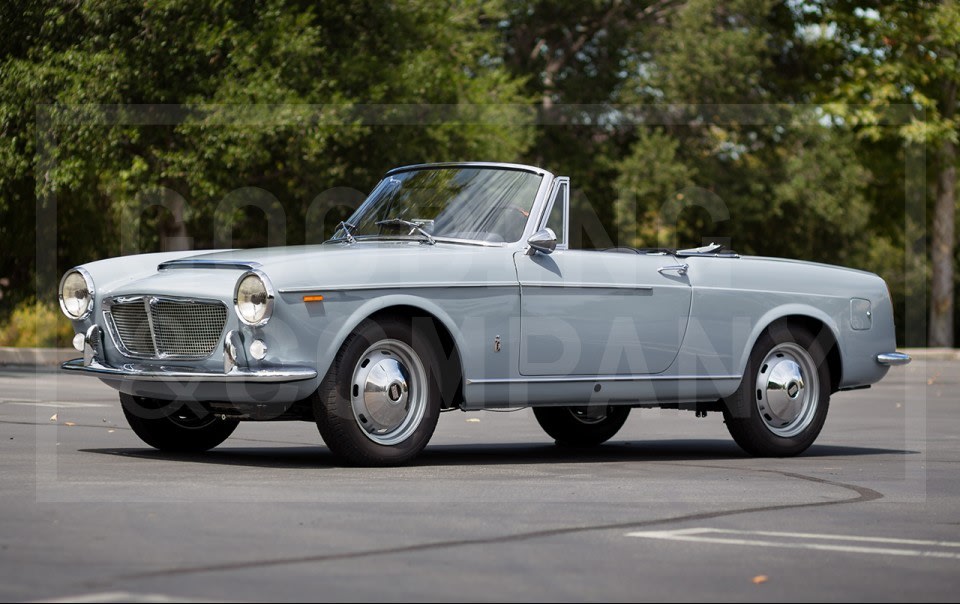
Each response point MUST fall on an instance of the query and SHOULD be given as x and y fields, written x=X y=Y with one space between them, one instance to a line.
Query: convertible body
x=497 y=312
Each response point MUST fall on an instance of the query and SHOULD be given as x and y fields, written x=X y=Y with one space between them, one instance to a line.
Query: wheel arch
x=443 y=326
x=817 y=323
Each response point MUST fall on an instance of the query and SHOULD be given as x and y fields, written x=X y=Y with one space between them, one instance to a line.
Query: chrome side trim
x=590 y=285
x=208 y=263
x=601 y=378
x=159 y=373
x=336 y=288
x=893 y=358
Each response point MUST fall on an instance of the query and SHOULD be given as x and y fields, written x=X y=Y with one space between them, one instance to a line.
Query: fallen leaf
x=759 y=579
x=53 y=417
x=474 y=420
x=110 y=431
x=69 y=423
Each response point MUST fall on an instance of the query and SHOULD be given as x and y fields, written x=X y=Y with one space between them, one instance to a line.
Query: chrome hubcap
x=788 y=389
x=388 y=393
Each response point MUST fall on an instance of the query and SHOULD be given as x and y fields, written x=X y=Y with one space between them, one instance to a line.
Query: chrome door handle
x=681 y=269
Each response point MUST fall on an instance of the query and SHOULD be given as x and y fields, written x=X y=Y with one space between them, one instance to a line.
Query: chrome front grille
x=157 y=327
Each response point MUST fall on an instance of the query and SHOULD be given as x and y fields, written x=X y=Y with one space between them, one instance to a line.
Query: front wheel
x=380 y=400
x=581 y=426
x=782 y=402
x=175 y=427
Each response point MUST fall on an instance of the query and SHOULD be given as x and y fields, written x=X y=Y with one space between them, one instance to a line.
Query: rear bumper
x=893 y=358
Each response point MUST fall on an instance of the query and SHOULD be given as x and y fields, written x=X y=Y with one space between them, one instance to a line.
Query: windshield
x=473 y=203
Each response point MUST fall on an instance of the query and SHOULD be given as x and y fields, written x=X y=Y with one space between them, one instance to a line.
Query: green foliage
x=772 y=180
x=715 y=53
x=891 y=59
x=130 y=119
x=765 y=123
x=891 y=76
x=35 y=324
x=652 y=180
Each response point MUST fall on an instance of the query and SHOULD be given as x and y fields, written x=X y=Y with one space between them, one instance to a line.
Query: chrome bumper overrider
x=159 y=373
x=893 y=358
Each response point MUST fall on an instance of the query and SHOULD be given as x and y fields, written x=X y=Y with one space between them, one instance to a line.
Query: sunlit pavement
x=670 y=509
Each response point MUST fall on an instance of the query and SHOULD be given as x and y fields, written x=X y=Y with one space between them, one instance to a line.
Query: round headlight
x=76 y=294
x=253 y=298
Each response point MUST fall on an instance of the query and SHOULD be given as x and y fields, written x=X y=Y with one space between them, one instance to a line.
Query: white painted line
x=122 y=596
x=844 y=543
x=58 y=404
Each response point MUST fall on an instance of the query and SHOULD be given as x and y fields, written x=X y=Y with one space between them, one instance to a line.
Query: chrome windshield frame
x=536 y=210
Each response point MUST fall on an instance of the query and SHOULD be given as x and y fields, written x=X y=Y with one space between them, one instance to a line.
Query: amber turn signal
x=313 y=298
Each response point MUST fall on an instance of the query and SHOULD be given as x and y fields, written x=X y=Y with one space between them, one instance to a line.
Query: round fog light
x=258 y=349
x=78 y=341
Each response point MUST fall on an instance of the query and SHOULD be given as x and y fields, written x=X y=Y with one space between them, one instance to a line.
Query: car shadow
x=494 y=454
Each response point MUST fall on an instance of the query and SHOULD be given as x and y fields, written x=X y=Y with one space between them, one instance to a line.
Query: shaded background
x=803 y=120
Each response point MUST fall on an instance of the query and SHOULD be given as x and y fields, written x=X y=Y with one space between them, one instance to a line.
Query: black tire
x=340 y=405
x=770 y=415
x=176 y=428
x=574 y=426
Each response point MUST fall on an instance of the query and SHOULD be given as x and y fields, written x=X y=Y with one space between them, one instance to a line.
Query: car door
x=598 y=312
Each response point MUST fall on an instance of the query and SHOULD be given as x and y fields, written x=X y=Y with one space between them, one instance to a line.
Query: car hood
x=362 y=264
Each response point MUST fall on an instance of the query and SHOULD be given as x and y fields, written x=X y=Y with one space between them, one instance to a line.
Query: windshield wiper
x=348 y=229
x=415 y=227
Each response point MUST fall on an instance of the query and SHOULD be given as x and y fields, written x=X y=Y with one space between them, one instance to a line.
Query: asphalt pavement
x=670 y=509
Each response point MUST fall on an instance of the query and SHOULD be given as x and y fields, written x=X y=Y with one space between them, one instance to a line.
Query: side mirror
x=543 y=241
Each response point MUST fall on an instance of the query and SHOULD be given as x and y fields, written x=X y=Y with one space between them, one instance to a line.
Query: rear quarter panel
x=736 y=299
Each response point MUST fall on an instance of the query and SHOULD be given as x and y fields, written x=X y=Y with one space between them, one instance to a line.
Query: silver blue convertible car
x=453 y=287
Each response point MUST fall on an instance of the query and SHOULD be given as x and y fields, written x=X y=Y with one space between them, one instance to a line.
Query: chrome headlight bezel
x=268 y=303
x=88 y=281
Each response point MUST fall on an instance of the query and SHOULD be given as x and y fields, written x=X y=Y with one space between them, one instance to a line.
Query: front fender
x=372 y=306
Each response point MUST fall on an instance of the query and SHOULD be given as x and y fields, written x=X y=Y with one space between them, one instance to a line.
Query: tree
x=732 y=161
x=572 y=53
x=159 y=121
x=905 y=53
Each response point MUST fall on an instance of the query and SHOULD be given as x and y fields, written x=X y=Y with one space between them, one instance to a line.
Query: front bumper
x=893 y=358
x=160 y=373
x=271 y=386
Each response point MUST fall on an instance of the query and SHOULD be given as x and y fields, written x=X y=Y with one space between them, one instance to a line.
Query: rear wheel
x=782 y=402
x=380 y=400
x=175 y=427
x=582 y=426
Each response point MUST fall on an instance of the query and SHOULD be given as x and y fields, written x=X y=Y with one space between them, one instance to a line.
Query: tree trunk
x=173 y=235
x=944 y=220
x=944 y=224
